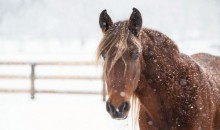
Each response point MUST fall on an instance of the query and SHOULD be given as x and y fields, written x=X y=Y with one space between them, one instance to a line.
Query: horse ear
x=105 y=21
x=135 y=22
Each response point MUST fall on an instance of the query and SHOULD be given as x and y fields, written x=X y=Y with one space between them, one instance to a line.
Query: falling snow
x=122 y=94
x=183 y=82
x=150 y=122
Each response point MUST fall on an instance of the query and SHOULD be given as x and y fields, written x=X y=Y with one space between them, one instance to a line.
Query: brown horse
x=174 y=91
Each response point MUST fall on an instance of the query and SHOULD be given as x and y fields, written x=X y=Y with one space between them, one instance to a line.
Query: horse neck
x=161 y=61
x=158 y=54
x=160 y=58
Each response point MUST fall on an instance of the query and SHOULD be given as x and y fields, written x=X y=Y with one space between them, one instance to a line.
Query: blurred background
x=67 y=31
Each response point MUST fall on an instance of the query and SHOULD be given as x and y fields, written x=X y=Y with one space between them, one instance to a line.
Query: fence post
x=104 y=88
x=32 y=80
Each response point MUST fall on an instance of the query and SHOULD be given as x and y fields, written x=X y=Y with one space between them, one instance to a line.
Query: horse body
x=175 y=91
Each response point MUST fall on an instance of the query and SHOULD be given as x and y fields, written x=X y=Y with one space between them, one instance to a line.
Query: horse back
x=210 y=63
x=211 y=66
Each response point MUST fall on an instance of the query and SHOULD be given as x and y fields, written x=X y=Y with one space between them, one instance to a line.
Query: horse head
x=121 y=51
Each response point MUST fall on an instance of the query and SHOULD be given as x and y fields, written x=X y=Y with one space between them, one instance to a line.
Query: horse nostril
x=109 y=107
x=124 y=107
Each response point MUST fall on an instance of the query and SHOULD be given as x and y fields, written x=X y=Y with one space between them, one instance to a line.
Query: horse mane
x=135 y=111
x=113 y=44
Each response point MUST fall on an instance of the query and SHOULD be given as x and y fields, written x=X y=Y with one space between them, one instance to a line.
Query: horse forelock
x=114 y=44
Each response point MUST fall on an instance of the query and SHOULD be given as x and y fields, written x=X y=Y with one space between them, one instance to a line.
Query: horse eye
x=135 y=55
x=103 y=56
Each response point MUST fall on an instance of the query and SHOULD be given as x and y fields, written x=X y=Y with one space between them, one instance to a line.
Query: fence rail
x=33 y=77
x=50 y=77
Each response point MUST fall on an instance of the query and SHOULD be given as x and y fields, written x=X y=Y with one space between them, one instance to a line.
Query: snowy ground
x=56 y=112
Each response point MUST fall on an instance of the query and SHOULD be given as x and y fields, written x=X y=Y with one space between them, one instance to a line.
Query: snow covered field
x=56 y=112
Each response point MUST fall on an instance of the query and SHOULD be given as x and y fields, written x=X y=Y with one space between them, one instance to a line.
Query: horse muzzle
x=119 y=113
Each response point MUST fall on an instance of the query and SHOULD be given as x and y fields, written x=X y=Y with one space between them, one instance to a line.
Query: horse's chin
x=120 y=118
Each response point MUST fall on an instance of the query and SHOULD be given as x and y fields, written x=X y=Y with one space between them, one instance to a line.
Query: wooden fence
x=33 y=77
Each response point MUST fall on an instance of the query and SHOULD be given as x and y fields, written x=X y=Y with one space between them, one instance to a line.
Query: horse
x=144 y=69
